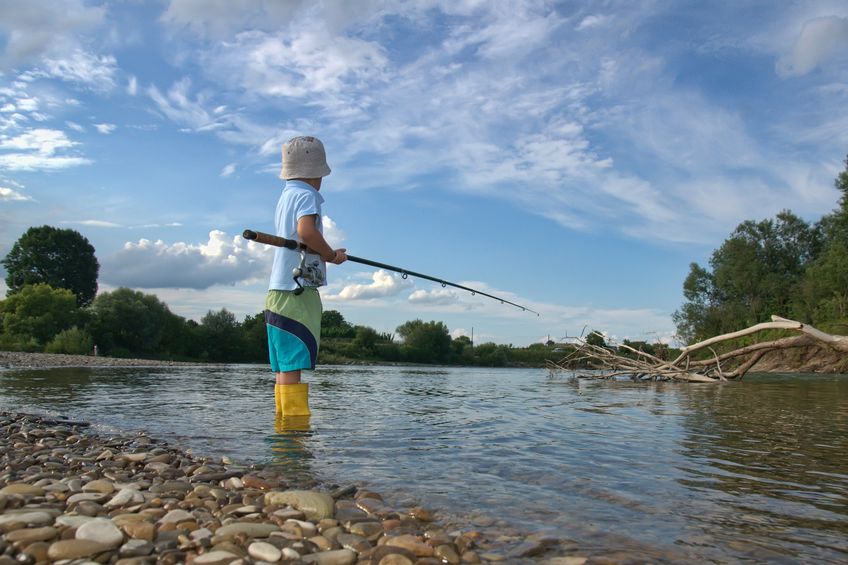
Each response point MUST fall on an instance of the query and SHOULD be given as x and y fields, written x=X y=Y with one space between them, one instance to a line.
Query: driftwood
x=605 y=362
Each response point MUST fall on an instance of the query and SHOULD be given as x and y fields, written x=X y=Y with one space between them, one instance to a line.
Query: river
x=755 y=471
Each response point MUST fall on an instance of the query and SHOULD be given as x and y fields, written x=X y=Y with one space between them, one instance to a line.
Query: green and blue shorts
x=294 y=329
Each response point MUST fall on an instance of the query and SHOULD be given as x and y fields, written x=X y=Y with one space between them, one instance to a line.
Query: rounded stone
x=176 y=516
x=250 y=529
x=99 y=485
x=35 y=518
x=22 y=489
x=215 y=558
x=74 y=548
x=264 y=551
x=334 y=557
x=314 y=505
x=102 y=531
x=411 y=543
x=30 y=535
x=125 y=496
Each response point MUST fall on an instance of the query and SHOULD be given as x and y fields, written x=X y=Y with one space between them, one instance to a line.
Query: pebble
x=101 y=530
x=125 y=496
x=22 y=489
x=74 y=548
x=264 y=551
x=29 y=535
x=34 y=518
x=69 y=494
x=250 y=529
x=335 y=557
x=216 y=557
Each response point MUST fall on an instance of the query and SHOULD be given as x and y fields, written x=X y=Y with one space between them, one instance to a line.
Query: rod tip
x=249 y=234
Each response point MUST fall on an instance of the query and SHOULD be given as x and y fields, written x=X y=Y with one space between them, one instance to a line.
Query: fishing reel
x=309 y=270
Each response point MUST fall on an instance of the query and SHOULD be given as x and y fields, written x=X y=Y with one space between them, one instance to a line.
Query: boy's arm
x=309 y=234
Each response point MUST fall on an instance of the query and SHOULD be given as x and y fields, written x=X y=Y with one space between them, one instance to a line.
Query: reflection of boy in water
x=292 y=313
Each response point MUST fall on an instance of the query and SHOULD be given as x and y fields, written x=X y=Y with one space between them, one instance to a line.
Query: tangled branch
x=603 y=362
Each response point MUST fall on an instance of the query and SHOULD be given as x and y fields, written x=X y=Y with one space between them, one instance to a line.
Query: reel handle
x=268 y=239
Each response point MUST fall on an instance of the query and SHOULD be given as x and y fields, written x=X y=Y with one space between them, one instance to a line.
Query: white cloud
x=38 y=27
x=332 y=233
x=382 y=285
x=228 y=170
x=75 y=126
x=819 y=41
x=12 y=195
x=156 y=264
x=39 y=162
x=331 y=69
x=440 y=296
x=105 y=129
x=132 y=86
x=44 y=141
x=592 y=21
x=95 y=71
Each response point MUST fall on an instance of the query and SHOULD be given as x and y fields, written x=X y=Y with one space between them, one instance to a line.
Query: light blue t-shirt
x=298 y=199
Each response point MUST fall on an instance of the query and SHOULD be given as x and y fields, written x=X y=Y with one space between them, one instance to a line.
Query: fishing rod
x=278 y=241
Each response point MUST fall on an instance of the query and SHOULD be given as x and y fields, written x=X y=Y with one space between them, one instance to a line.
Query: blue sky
x=574 y=157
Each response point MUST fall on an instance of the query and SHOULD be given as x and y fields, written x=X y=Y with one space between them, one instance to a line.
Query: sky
x=573 y=157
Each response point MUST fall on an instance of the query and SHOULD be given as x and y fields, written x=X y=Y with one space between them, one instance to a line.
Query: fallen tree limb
x=610 y=362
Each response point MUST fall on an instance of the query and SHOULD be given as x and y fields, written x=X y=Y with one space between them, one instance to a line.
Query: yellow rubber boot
x=295 y=399
x=278 y=399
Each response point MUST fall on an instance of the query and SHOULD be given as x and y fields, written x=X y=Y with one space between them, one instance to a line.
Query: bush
x=73 y=341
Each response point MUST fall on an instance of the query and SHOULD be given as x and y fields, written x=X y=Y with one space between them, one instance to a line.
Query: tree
x=255 y=334
x=754 y=273
x=61 y=258
x=222 y=336
x=366 y=339
x=596 y=338
x=128 y=322
x=333 y=324
x=34 y=315
x=426 y=342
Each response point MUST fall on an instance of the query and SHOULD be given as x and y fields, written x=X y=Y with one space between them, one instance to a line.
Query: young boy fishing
x=293 y=305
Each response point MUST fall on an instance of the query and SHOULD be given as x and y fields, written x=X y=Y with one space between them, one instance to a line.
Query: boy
x=293 y=305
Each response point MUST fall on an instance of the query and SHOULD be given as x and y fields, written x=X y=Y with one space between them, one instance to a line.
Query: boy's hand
x=339 y=257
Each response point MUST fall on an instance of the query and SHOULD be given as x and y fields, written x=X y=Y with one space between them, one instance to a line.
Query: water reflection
x=770 y=457
x=288 y=448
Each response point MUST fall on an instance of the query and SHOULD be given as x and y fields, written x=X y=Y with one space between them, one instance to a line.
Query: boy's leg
x=288 y=377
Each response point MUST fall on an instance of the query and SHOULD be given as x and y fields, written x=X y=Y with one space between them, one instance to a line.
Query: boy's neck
x=314 y=183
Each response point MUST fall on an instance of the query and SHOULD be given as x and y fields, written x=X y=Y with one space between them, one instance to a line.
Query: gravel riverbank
x=68 y=494
x=22 y=360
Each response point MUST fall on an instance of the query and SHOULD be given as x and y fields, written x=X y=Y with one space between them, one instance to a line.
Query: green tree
x=35 y=314
x=427 y=342
x=73 y=341
x=366 y=340
x=126 y=322
x=256 y=338
x=222 y=337
x=62 y=258
x=333 y=324
x=596 y=338
x=754 y=274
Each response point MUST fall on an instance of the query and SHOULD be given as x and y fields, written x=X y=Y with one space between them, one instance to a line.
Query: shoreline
x=67 y=492
x=26 y=360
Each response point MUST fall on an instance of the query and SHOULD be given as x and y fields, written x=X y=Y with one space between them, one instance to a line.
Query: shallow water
x=743 y=472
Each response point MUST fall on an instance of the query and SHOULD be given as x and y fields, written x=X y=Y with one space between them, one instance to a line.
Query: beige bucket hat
x=304 y=158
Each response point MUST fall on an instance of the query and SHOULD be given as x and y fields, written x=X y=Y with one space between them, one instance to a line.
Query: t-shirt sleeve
x=305 y=205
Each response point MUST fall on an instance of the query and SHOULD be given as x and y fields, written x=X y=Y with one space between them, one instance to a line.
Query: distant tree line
x=783 y=266
x=53 y=306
